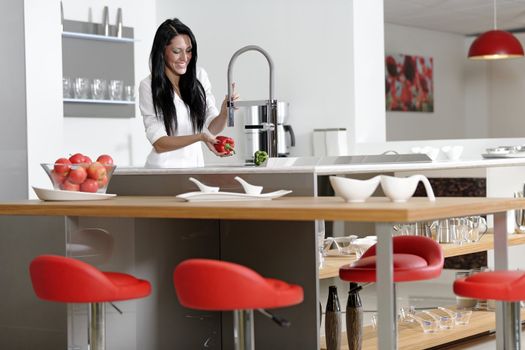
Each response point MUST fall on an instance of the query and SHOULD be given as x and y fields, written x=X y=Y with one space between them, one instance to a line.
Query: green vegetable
x=260 y=157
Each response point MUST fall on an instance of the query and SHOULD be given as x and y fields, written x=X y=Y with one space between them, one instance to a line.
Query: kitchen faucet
x=271 y=103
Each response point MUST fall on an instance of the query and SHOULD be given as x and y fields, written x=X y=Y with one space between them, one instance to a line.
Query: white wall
x=43 y=87
x=507 y=91
x=450 y=59
x=13 y=138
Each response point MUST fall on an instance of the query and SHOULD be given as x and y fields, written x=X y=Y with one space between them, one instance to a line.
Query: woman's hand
x=210 y=141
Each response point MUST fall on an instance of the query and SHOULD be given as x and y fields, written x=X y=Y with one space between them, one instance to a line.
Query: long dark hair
x=191 y=90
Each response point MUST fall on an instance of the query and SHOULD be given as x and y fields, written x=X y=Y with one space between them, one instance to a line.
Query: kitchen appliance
x=256 y=134
x=261 y=133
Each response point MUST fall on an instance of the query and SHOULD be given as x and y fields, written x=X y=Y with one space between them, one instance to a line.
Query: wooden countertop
x=376 y=209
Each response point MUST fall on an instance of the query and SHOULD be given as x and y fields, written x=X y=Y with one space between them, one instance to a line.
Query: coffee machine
x=255 y=119
x=263 y=122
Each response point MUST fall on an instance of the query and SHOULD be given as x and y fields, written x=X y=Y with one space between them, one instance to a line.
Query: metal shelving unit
x=86 y=52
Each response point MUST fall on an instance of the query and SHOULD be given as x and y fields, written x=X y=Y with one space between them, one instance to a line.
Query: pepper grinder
x=332 y=320
x=354 y=318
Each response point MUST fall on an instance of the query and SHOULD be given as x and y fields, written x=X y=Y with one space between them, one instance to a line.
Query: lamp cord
x=495 y=24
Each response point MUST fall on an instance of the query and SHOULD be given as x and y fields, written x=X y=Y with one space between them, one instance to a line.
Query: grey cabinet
x=87 y=53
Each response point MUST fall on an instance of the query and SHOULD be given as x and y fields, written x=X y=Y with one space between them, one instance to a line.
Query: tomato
x=102 y=182
x=77 y=158
x=58 y=178
x=69 y=186
x=89 y=185
x=96 y=171
x=62 y=166
x=105 y=159
x=77 y=175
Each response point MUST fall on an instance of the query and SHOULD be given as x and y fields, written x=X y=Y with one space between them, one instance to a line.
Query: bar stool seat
x=215 y=285
x=415 y=258
x=506 y=286
x=67 y=280
x=497 y=285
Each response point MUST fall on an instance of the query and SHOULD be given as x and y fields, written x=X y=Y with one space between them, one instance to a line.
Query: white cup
x=400 y=189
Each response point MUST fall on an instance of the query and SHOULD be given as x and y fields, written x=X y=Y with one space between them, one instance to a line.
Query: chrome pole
x=243 y=332
x=97 y=326
x=512 y=325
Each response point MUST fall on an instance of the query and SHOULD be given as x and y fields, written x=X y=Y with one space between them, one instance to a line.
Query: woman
x=176 y=102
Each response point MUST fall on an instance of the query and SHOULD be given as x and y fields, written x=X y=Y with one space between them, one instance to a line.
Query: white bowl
x=353 y=190
x=452 y=152
x=431 y=152
x=400 y=189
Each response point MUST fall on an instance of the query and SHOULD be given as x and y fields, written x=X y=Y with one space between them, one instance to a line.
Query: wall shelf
x=332 y=264
x=87 y=52
x=111 y=102
x=96 y=37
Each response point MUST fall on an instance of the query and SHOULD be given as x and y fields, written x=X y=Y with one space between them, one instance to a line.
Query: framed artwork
x=409 y=84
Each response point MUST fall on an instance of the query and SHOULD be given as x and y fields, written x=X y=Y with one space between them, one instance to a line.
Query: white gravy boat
x=400 y=189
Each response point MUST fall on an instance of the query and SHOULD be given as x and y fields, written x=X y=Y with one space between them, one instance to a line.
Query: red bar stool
x=506 y=286
x=67 y=280
x=415 y=258
x=224 y=286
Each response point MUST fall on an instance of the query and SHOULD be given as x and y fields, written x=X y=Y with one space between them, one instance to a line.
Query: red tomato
x=102 y=182
x=69 y=186
x=105 y=159
x=77 y=175
x=96 y=171
x=77 y=158
x=89 y=185
x=62 y=166
x=58 y=178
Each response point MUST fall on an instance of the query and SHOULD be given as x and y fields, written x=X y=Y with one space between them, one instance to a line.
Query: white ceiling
x=456 y=16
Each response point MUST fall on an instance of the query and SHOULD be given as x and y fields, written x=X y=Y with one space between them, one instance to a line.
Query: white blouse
x=185 y=157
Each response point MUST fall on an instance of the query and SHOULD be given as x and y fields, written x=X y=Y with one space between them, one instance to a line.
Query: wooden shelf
x=410 y=335
x=332 y=264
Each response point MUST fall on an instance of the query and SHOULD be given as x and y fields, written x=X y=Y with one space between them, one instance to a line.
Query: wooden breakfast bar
x=273 y=237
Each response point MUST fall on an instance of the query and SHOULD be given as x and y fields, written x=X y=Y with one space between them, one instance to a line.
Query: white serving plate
x=59 y=195
x=230 y=196
x=502 y=155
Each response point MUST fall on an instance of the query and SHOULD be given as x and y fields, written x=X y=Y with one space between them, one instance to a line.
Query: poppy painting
x=409 y=83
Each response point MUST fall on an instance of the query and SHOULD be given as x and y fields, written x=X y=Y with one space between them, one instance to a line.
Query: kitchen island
x=259 y=234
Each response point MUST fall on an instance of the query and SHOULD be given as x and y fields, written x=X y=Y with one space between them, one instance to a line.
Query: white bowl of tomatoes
x=80 y=173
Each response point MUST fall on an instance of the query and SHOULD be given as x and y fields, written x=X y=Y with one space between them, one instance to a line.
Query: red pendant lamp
x=495 y=44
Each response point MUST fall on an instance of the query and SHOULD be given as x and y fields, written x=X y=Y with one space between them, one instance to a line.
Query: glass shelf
x=96 y=37
x=113 y=102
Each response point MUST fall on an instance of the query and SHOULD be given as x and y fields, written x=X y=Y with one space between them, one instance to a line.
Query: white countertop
x=286 y=165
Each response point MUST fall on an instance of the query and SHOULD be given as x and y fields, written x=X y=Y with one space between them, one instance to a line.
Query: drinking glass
x=66 y=87
x=81 y=88
x=129 y=93
x=98 y=89
x=115 y=89
x=477 y=228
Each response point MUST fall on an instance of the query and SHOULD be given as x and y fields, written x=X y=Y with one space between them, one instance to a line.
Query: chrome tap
x=271 y=103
